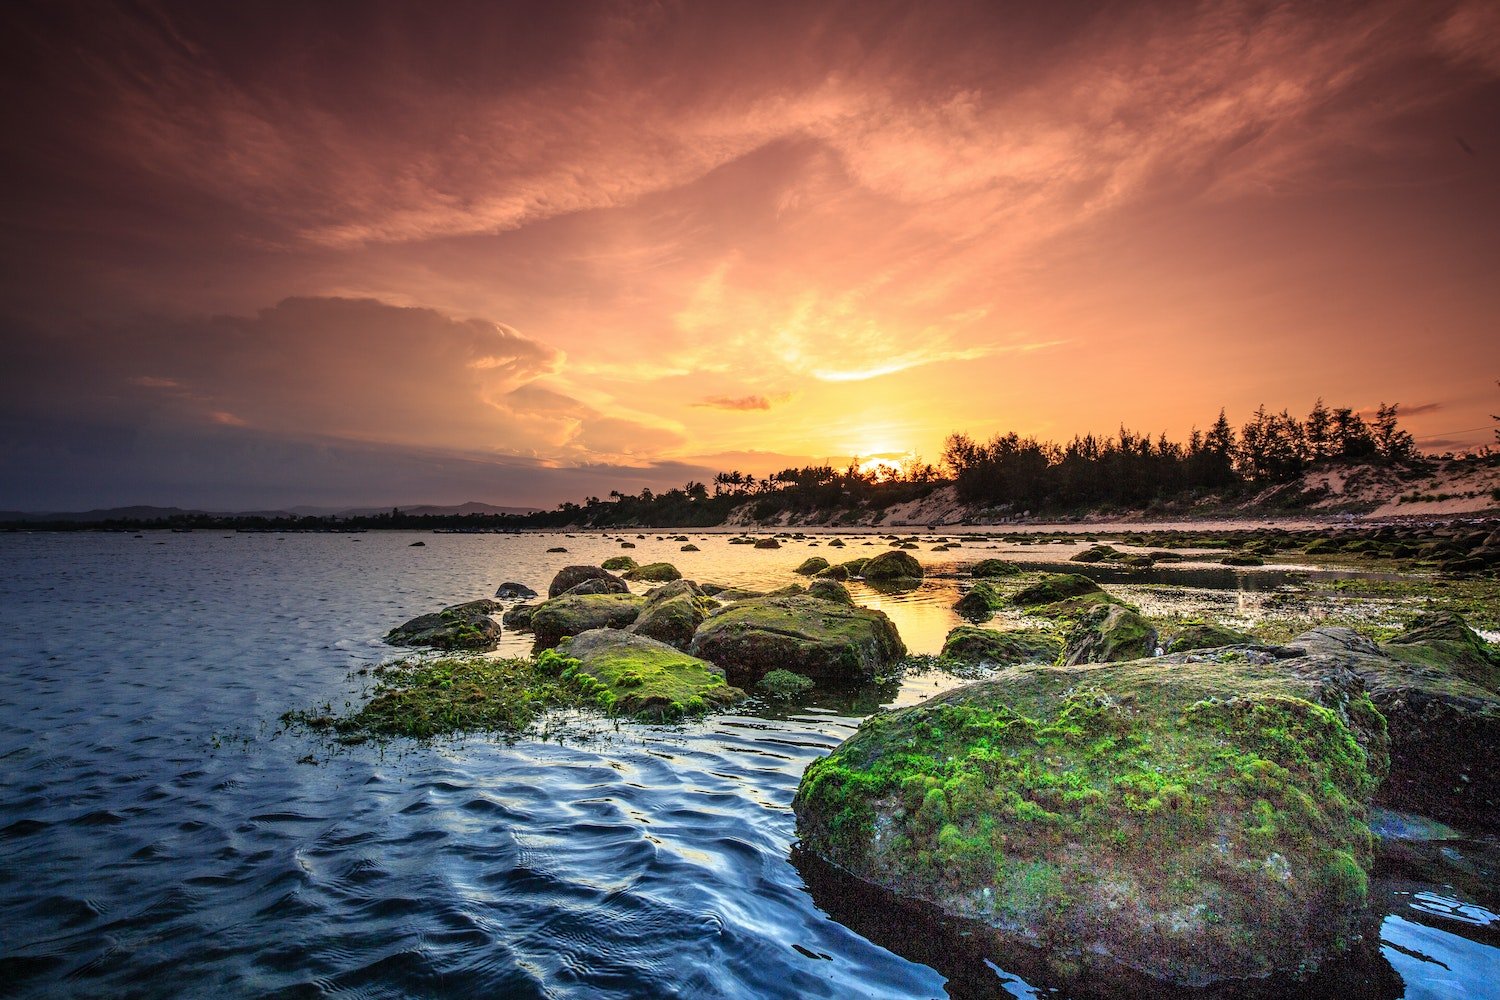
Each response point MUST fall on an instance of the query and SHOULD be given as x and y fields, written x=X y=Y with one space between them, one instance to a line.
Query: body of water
x=161 y=836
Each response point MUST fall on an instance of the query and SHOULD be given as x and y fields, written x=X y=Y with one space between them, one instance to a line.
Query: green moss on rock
x=467 y=626
x=980 y=603
x=638 y=676
x=1050 y=588
x=811 y=565
x=657 y=572
x=577 y=613
x=1193 y=821
x=784 y=684
x=989 y=568
x=617 y=563
x=890 y=566
x=827 y=641
x=1203 y=635
x=969 y=644
x=1110 y=634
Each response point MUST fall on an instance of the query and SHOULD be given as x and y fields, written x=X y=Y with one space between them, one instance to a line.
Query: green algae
x=784 y=684
x=422 y=699
x=615 y=563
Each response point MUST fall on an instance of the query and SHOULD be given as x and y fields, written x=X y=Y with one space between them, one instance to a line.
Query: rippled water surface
x=159 y=836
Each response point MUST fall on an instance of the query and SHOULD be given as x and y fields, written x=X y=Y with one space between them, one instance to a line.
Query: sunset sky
x=343 y=253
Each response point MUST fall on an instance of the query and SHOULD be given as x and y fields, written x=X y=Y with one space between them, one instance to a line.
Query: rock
x=838 y=573
x=993 y=568
x=815 y=564
x=690 y=547
x=617 y=563
x=416 y=545
x=767 y=543
x=460 y=626
x=658 y=572
x=1437 y=686
x=969 y=644
x=627 y=545
x=1053 y=587
x=518 y=618
x=979 y=604
x=639 y=676
x=830 y=590
x=1193 y=821
x=514 y=590
x=821 y=639
x=672 y=613
x=784 y=684
x=1242 y=560
x=1110 y=634
x=571 y=576
x=1203 y=635
x=598 y=585
x=728 y=595
x=1096 y=553
x=574 y=614
x=838 y=543
x=892 y=566
x=557 y=548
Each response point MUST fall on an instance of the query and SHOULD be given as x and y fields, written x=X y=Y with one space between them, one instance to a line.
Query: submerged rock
x=657 y=572
x=979 y=604
x=891 y=567
x=1194 y=821
x=970 y=644
x=814 y=564
x=1110 y=634
x=573 y=614
x=824 y=640
x=461 y=626
x=638 y=676
x=571 y=576
x=993 y=568
x=513 y=590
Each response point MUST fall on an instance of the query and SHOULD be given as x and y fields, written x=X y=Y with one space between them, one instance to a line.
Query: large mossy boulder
x=1110 y=634
x=825 y=640
x=830 y=590
x=1203 y=635
x=1194 y=821
x=519 y=617
x=574 y=614
x=636 y=675
x=892 y=567
x=468 y=626
x=673 y=612
x=657 y=572
x=990 y=568
x=970 y=644
x=1438 y=685
x=571 y=576
x=617 y=563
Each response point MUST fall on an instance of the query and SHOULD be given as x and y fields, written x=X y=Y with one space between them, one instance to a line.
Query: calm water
x=160 y=837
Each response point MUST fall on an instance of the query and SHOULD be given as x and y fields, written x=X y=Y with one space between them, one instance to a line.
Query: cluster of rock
x=1196 y=815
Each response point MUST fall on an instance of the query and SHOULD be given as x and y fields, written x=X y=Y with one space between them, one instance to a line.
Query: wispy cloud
x=736 y=402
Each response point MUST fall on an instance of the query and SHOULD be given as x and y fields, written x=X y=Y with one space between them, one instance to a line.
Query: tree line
x=1132 y=469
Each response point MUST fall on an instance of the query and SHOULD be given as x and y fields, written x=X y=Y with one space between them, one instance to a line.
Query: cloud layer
x=625 y=234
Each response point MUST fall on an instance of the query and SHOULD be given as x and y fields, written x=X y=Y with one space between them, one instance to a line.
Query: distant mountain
x=143 y=512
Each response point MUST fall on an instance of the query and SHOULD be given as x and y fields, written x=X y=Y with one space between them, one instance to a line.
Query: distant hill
x=144 y=512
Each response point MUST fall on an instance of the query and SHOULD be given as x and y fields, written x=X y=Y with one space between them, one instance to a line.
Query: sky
x=258 y=255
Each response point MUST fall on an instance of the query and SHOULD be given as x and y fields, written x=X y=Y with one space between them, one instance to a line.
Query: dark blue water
x=160 y=836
